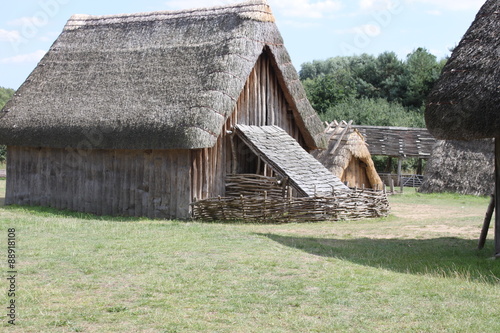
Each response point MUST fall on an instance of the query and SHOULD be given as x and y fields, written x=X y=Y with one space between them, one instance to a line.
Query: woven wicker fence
x=264 y=208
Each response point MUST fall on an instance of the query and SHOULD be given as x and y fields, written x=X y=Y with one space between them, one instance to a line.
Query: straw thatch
x=348 y=157
x=160 y=80
x=464 y=167
x=464 y=102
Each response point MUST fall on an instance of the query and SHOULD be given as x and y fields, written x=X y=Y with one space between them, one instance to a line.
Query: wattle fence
x=258 y=206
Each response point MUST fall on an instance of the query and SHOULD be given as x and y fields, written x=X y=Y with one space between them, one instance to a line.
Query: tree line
x=5 y=95
x=372 y=90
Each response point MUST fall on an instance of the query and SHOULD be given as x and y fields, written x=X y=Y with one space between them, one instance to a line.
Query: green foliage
x=336 y=87
x=5 y=95
x=374 y=111
x=422 y=72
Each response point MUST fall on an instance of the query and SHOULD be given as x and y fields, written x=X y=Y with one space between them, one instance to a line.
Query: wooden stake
x=486 y=223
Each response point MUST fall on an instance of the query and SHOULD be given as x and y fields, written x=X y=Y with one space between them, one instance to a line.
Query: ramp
x=287 y=158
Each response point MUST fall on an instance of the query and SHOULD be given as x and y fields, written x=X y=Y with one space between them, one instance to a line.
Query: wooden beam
x=346 y=129
x=486 y=223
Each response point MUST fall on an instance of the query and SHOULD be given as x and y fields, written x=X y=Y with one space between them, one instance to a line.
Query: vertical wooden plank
x=137 y=181
x=100 y=181
x=206 y=179
x=194 y=175
x=16 y=175
x=125 y=184
x=145 y=183
x=76 y=201
x=107 y=182
x=36 y=189
x=73 y=197
x=11 y=176
x=115 y=184
x=167 y=185
x=183 y=202
x=151 y=182
x=201 y=180
x=263 y=89
x=156 y=186
x=174 y=187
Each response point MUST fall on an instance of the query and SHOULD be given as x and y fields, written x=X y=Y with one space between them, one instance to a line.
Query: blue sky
x=312 y=29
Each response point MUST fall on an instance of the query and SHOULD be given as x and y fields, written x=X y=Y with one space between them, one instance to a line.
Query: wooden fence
x=265 y=208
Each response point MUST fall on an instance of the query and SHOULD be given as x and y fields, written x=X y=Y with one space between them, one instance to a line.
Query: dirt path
x=3 y=173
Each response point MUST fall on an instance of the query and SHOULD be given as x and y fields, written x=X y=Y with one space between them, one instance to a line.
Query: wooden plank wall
x=262 y=102
x=398 y=141
x=355 y=174
x=152 y=183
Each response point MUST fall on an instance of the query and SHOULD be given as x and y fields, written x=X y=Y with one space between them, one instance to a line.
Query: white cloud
x=377 y=4
x=305 y=8
x=453 y=4
x=371 y=30
x=9 y=36
x=28 y=21
x=24 y=58
x=434 y=12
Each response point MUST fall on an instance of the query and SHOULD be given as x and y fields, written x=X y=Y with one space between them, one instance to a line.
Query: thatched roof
x=160 y=80
x=346 y=143
x=464 y=102
x=464 y=167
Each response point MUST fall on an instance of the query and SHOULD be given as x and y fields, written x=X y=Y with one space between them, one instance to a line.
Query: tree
x=5 y=95
x=374 y=111
x=328 y=90
x=423 y=70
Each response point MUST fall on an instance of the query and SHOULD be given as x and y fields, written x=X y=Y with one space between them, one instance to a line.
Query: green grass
x=416 y=271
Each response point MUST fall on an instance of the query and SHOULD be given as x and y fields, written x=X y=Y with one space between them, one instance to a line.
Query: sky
x=311 y=29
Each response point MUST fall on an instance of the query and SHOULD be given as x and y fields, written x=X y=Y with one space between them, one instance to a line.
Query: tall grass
x=81 y=273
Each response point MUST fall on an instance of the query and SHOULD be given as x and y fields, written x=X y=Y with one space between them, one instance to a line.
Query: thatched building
x=464 y=167
x=135 y=114
x=348 y=158
x=463 y=104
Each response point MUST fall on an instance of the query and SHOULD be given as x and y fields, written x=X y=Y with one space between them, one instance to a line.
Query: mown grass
x=411 y=272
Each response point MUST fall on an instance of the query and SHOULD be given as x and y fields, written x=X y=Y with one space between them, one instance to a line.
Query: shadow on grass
x=443 y=257
x=64 y=213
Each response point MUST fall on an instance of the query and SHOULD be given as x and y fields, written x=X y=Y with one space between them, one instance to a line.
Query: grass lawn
x=416 y=271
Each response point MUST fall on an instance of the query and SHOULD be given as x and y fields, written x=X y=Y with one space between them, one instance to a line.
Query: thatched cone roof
x=464 y=103
x=463 y=167
x=344 y=145
x=160 y=80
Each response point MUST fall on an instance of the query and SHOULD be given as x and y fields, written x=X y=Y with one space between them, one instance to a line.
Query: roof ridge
x=258 y=10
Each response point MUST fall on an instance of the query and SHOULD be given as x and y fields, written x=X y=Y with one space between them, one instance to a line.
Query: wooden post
x=400 y=161
x=497 y=197
x=234 y=159
x=486 y=223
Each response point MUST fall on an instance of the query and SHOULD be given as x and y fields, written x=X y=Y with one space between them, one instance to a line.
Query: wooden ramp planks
x=280 y=151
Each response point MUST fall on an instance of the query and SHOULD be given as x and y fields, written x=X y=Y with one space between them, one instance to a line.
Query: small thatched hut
x=463 y=104
x=348 y=158
x=464 y=167
x=134 y=114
